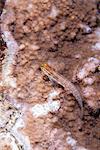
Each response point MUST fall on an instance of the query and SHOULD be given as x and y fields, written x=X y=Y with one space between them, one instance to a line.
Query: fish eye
x=42 y=65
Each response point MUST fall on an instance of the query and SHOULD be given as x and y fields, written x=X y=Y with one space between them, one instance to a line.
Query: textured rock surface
x=34 y=115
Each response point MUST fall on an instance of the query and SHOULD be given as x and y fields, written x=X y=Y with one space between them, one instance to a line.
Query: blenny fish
x=65 y=83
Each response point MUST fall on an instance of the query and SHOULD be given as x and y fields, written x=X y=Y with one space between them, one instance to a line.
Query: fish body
x=65 y=83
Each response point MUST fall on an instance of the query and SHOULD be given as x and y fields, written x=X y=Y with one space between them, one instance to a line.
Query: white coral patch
x=82 y=73
x=71 y=141
x=74 y=144
x=54 y=12
x=21 y=138
x=88 y=67
x=6 y=139
x=88 y=91
x=96 y=46
x=12 y=48
x=53 y=94
x=89 y=80
x=97 y=33
x=43 y=109
x=9 y=59
x=85 y=28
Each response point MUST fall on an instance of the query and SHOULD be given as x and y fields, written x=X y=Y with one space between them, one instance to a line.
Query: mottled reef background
x=34 y=113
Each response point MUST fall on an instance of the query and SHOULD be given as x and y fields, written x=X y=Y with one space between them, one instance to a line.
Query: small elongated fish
x=65 y=83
